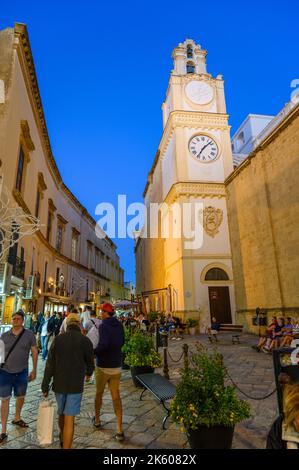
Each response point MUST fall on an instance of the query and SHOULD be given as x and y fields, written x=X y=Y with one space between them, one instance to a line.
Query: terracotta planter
x=215 y=437
x=192 y=330
x=140 y=370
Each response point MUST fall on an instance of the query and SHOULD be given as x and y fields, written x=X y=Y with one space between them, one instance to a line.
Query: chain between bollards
x=186 y=355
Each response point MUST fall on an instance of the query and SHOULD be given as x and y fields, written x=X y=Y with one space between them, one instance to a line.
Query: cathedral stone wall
x=263 y=211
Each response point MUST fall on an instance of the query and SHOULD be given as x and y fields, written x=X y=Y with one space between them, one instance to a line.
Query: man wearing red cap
x=108 y=362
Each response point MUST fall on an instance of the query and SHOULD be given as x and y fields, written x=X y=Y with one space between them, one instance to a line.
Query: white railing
x=274 y=123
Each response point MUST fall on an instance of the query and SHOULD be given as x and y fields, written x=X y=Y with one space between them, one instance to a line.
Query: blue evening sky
x=103 y=69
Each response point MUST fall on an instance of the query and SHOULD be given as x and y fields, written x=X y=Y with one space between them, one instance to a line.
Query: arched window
x=241 y=139
x=189 y=51
x=216 y=274
x=190 y=67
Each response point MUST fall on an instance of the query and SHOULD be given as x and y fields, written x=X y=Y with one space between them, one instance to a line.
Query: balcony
x=49 y=288
x=61 y=290
x=57 y=290
x=18 y=267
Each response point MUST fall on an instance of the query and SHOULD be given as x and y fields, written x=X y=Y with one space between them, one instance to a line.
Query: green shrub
x=201 y=397
x=140 y=351
x=191 y=322
x=128 y=334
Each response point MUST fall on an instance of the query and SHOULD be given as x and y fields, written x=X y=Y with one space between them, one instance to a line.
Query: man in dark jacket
x=108 y=366
x=70 y=360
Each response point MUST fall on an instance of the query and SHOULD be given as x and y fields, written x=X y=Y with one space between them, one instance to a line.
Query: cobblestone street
x=253 y=372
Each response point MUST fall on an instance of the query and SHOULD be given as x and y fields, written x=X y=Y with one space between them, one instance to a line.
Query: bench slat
x=158 y=385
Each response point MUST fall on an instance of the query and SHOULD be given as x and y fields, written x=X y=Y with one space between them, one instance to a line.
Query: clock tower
x=193 y=160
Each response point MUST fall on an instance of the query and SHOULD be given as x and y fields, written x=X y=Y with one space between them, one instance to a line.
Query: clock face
x=203 y=148
x=199 y=92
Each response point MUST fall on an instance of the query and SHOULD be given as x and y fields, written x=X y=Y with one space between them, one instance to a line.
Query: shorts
x=102 y=379
x=16 y=383
x=69 y=404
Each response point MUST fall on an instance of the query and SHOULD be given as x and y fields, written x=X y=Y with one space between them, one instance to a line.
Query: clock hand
x=205 y=146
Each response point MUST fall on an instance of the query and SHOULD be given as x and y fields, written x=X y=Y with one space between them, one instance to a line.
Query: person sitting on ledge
x=267 y=338
x=287 y=333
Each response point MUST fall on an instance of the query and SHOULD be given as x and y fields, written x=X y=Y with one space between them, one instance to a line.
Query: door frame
x=227 y=290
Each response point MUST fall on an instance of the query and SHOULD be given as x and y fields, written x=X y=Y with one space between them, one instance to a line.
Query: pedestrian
x=40 y=319
x=91 y=322
x=85 y=315
x=44 y=335
x=91 y=330
x=63 y=324
x=58 y=323
x=108 y=370
x=14 y=371
x=70 y=360
x=284 y=433
x=34 y=322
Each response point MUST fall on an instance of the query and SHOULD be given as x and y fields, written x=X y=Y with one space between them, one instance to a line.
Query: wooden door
x=220 y=304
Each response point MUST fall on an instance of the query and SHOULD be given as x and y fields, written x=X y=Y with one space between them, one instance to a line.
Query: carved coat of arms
x=212 y=219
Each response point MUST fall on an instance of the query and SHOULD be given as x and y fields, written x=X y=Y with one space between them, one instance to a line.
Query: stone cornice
x=186 y=119
x=62 y=219
x=191 y=120
x=195 y=189
x=41 y=182
x=24 y=52
x=26 y=135
x=51 y=205
x=75 y=232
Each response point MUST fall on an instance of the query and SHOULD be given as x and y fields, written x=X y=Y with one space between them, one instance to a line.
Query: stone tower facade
x=193 y=160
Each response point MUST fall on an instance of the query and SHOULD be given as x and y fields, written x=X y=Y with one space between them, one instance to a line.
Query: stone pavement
x=252 y=372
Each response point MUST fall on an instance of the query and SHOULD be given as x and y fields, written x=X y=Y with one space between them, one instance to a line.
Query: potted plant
x=204 y=407
x=141 y=355
x=191 y=325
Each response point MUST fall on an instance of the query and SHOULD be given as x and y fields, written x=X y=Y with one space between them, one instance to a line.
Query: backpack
x=93 y=334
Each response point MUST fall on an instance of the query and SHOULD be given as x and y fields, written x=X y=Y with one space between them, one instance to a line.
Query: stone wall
x=263 y=211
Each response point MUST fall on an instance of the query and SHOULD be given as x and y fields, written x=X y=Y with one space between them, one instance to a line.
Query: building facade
x=244 y=139
x=263 y=210
x=193 y=160
x=64 y=261
x=130 y=290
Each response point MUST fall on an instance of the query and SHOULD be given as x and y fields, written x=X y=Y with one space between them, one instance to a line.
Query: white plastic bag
x=45 y=422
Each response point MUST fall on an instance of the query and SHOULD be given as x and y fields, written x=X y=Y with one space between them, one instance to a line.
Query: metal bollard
x=186 y=356
x=165 y=360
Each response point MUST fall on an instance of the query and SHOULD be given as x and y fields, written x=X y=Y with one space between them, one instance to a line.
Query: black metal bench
x=160 y=387
x=236 y=331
